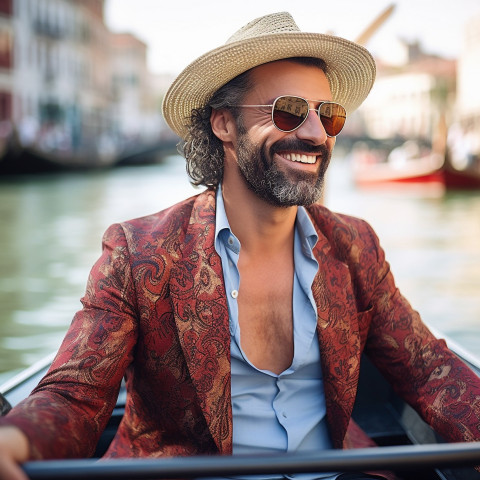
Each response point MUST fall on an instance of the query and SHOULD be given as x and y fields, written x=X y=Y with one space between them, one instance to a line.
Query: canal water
x=51 y=228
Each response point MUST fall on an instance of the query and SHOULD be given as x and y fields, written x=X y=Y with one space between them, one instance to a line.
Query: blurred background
x=83 y=145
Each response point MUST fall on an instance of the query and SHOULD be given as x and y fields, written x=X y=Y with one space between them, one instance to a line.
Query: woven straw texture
x=350 y=67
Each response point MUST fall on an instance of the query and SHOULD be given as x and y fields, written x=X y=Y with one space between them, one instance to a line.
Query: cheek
x=261 y=131
x=257 y=120
x=263 y=136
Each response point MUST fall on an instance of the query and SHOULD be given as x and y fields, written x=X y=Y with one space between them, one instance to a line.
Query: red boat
x=412 y=164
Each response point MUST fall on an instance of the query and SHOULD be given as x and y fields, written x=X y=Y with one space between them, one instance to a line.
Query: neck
x=259 y=226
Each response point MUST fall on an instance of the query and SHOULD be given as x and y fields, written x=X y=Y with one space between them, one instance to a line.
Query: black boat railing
x=398 y=458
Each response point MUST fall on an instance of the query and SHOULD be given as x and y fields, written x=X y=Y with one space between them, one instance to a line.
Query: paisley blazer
x=155 y=312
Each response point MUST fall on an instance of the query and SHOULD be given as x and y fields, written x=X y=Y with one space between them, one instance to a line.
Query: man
x=238 y=316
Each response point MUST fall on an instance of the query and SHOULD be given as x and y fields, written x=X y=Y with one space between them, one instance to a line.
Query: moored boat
x=412 y=164
x=31 y=160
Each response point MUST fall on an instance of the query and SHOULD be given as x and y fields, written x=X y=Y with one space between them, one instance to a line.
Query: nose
x=312 y=130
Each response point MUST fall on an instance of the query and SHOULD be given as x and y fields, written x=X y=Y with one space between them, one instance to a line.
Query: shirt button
x=234 y=293
x=284 y=414
x=230 y=240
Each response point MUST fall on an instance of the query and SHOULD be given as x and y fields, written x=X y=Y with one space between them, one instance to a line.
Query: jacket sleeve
x=420 y=367
x=66 y=413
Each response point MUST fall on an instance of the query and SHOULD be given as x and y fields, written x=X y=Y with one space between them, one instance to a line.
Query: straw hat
x=350 y=67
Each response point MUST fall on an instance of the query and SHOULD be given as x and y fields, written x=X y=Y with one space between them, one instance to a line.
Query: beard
x=277 y=186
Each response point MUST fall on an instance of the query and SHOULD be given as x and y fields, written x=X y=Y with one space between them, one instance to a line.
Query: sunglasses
x=290 y=112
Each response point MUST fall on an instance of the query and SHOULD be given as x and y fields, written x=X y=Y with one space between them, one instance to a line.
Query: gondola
x=19 y=160
x=405 y=444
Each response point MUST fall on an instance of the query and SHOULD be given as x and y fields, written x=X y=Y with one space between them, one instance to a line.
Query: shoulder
x=328 y=221
x=343 y=232
x=165 y=228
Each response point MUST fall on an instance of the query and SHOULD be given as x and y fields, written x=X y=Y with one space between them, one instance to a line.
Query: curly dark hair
x=202 y=149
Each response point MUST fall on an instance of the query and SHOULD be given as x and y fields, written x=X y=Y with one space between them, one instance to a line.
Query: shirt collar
x=308 y=235
x=221 y=220
x=222 y=227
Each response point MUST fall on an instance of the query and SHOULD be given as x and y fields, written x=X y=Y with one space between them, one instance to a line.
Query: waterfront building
x=70 y=86
x=58 y=94
x=468 y=93
x=412 y=99
x=6 y=76
x=464 y=136
x=130 y=83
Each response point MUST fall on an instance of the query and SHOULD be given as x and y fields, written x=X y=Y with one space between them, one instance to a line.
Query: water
x=51 y=228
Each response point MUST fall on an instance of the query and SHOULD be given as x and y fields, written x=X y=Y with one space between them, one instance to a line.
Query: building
x=6 y=74
x=53 y=72
x=68 y=85
x=413 y=100
x=468 y=80
x=130 y=84
x=464 y=133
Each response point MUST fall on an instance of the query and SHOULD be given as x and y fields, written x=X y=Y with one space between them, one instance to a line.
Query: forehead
x=288 y=77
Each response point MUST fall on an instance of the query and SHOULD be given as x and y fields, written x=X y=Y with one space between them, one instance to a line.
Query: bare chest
x=265 y=316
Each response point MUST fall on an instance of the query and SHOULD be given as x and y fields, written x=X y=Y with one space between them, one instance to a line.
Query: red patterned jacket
x=155 y=311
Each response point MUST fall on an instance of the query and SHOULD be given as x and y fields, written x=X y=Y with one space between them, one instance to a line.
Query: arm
x=421 y=368
x=66 y=413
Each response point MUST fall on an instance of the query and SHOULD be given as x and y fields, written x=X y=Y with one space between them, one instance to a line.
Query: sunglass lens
x=332 y=116
x=289 y=112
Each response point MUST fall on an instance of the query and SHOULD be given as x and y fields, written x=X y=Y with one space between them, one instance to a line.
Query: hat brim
x=350 y=70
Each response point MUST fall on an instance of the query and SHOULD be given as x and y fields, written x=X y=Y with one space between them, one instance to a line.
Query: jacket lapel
x=338 y=337
x=201 y=316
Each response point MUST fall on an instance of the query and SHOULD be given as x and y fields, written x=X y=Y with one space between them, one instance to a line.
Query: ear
x=223 y=125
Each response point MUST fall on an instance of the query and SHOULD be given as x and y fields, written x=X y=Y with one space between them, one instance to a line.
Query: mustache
x=299 y=145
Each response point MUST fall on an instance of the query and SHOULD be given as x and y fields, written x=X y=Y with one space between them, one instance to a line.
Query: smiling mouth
x=300 y=157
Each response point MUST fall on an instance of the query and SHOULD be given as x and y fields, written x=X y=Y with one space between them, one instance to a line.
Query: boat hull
x=430 y=170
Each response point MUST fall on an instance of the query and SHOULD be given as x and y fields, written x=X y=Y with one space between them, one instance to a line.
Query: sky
x=179 y=31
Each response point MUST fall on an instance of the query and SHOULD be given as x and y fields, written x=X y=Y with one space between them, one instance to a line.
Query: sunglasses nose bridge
x=318 y=115
x=312 y=127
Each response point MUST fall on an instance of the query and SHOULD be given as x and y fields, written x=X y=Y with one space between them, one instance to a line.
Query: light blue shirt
x=285 y=412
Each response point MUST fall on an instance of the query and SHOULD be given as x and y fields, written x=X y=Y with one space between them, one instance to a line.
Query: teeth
x=297 y=157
